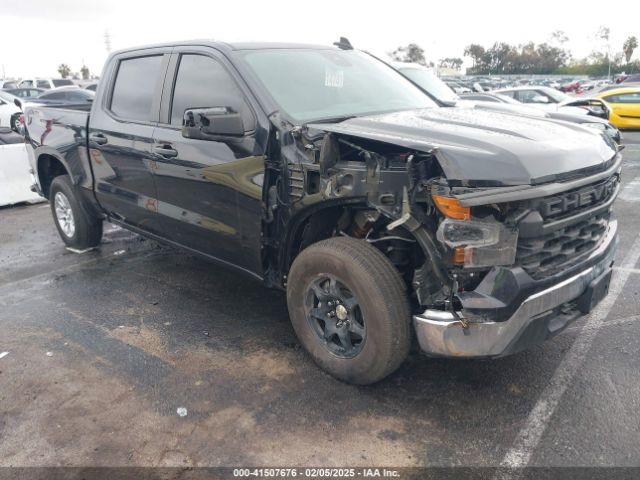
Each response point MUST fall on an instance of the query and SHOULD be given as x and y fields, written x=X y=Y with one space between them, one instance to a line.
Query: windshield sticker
x=333 y=78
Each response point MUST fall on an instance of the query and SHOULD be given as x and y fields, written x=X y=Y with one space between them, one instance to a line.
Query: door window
x=203 y=82
x=135 y=88
x=532 y=96
x=624 y=98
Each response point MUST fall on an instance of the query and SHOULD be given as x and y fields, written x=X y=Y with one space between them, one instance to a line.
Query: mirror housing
x=210 y=123
x=540 y=99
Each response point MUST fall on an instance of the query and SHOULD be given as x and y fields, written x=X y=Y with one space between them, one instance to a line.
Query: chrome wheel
x=64 y=214
x=335 y=316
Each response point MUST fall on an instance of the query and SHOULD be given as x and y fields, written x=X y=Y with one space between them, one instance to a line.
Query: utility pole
x=107 y=41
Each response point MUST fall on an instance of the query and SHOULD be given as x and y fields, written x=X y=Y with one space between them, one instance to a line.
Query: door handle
x=165 y=150
x=98 y=138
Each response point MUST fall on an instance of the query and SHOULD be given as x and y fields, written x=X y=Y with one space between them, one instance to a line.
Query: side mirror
x=540 y=99
x=18 y=103
x=209 y=123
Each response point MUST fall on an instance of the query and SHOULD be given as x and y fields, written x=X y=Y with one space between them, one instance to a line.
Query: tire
x=379 y=326
x=77 y=230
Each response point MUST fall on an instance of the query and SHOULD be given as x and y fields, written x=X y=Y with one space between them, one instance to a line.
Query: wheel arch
x=49 y=166
x=294 y=242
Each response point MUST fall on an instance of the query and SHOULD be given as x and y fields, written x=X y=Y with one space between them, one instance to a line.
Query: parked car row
x=557 y=105
x=616 y=102
x=12 y=101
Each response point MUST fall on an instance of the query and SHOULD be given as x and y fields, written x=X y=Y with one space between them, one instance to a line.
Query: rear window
x=54 y=95
x=134 y=88
x=61 y=82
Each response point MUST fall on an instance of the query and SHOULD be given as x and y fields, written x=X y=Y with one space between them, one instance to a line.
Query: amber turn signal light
x=451 y=207
x=458 y=255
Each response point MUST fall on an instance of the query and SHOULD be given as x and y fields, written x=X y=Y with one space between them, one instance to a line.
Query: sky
x=38 y=35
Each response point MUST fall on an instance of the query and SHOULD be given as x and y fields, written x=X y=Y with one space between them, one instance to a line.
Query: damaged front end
x=489 y=270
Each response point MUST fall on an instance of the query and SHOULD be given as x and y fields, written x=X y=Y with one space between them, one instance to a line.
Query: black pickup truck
x=323 y=171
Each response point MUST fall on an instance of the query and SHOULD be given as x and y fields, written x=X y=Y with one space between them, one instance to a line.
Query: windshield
x=507 y=99
x=430 y=84
x=557 y=95
x=324 y=84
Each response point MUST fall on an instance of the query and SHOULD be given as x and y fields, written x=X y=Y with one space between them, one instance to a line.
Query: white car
x=553 y=100
x=46 y=83
x=9 y=111
x=15 y=176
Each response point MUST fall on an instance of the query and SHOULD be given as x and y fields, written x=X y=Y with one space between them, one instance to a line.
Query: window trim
x=164 y=120
x=155 y=101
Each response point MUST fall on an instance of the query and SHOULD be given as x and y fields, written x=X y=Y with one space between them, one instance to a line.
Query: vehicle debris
x=181 y=411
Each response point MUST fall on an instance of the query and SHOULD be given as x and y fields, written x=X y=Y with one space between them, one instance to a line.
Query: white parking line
x=529 y=436
x=607 y=324
x=631 y=191
x=630 y=270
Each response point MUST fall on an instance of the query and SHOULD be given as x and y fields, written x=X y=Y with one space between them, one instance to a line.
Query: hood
x=521 y=109
x=486 y=148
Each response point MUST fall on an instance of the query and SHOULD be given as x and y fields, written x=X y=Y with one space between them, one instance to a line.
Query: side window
x=202 y=82
x=56 y=96
x=511 y=94
x=624 y=98
x=135 y=87
x=27 y=83
x=527 y=96
x=42 y=84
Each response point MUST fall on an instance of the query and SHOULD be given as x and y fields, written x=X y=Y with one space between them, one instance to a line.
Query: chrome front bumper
x=440 y=333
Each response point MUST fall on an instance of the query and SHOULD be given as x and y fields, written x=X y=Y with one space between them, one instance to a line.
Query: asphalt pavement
x=136 y=354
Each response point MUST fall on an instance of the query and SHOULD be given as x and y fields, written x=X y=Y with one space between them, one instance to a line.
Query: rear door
x=121 y=128
x=207 y=189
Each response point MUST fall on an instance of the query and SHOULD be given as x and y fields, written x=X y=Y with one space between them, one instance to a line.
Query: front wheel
x=76 y=228
x=349 y=309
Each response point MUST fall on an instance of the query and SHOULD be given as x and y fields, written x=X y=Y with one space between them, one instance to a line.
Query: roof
x=62 y=89
x=616 y=91
x=234 y=46
x=520 y=87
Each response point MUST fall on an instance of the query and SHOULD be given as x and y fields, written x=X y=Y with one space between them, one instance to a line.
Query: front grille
x=549 y=254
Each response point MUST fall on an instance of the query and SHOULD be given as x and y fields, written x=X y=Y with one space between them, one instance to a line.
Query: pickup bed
x=324 y=172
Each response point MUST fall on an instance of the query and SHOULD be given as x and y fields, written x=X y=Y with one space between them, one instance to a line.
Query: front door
x=207 y=189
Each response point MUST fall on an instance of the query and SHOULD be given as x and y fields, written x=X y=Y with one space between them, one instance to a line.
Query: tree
x=412 y=53
x=64 y=70
x=630 y=45
x=450 y=62
x=559 y=37
x=84 y=71
x=603 y=33
x=476 y=52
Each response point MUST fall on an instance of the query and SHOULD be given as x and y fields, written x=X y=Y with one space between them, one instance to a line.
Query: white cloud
x=45 y=33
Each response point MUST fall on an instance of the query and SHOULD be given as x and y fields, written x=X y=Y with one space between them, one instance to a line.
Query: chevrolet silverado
x=324 y=172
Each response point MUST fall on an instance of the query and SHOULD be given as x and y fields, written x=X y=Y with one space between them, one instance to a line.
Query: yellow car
x=625 y=106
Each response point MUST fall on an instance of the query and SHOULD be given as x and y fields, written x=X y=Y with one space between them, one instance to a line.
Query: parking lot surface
x=137 y=354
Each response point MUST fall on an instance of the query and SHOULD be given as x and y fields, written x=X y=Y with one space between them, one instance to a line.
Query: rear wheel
x=76 y=228
x=348 y=306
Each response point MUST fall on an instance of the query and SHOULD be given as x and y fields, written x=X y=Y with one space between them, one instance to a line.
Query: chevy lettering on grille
x=591 y=195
